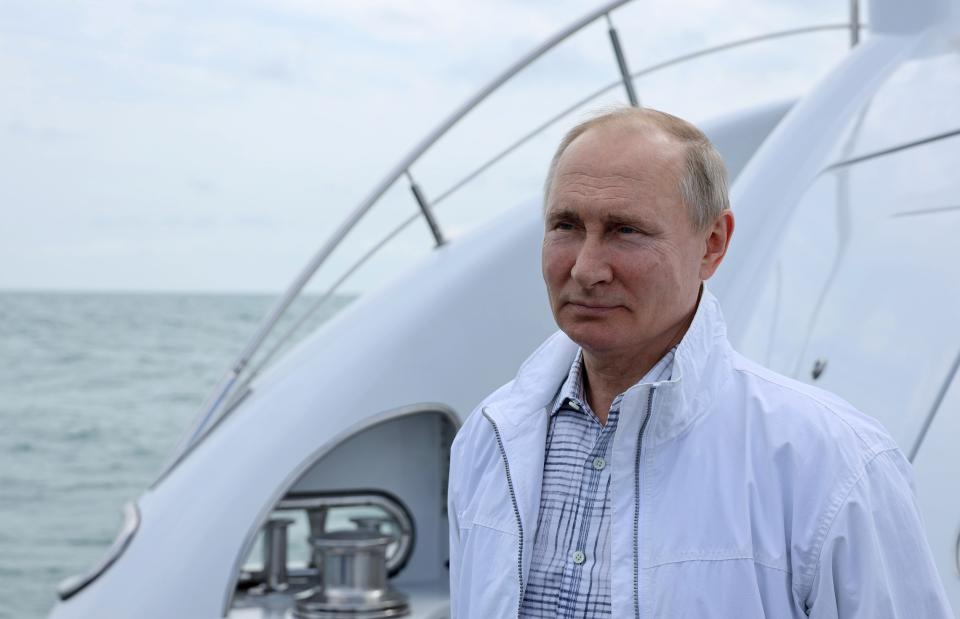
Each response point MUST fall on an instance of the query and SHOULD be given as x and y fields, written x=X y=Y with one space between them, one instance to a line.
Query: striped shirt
x=570 y=566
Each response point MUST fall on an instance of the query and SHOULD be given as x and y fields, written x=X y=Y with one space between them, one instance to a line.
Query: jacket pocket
x=488 y=577
x=719 y=588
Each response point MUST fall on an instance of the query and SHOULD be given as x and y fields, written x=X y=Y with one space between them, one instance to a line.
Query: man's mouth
x=592 y=306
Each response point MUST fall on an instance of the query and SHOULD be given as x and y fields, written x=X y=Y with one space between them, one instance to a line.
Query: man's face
x=621 y=258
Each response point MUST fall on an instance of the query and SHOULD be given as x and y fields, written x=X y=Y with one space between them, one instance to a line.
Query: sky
x=214 y=146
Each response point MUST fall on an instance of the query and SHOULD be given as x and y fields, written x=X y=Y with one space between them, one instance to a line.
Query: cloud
x=21 y=130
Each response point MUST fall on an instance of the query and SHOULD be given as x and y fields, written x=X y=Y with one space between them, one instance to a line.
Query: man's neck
x=608 y=374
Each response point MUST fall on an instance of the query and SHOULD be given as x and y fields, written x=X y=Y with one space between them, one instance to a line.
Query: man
x=637 y=466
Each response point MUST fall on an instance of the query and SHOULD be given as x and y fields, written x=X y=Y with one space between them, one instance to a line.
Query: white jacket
x=749 y=495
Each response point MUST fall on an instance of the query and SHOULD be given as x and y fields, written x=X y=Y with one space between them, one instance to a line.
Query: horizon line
x=152 y=291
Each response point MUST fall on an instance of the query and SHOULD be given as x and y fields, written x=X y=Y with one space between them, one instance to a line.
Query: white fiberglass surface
x=864 y=286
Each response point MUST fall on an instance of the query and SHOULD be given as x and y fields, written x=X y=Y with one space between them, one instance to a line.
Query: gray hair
x=703 y=182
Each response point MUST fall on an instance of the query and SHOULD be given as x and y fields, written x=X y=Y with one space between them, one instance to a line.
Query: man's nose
x=592 y=265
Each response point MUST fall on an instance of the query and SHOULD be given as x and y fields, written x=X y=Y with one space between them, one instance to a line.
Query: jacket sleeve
x=875 y=562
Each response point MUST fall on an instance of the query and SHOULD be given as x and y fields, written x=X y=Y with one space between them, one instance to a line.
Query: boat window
x=866 y=304
x=808 y=253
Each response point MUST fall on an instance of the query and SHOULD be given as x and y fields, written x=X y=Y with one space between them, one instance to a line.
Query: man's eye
x=563 y=225
x=627 y=230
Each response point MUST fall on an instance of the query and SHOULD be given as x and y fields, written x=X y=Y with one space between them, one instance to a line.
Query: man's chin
x=592 y=337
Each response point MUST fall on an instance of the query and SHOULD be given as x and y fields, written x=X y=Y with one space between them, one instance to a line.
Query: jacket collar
x=698 y=373
x=701 y=366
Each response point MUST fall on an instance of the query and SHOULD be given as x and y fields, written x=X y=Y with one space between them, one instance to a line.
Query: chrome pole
x=854 y=22
x=622 y=63
x=425 y=208
x=275 y=554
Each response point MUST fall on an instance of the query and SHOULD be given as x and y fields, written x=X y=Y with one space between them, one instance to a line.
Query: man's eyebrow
x=562 y=213
x=624 y=218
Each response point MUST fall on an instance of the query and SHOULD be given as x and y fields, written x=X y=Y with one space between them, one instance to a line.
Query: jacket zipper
x=636 y=507
x=516 y=510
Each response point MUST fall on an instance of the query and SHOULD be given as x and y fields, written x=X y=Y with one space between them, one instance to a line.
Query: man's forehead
x=621 y=148
x=604 y=183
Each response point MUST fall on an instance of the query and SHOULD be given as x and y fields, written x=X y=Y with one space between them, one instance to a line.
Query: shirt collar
x=571 y=394
x=572 y=388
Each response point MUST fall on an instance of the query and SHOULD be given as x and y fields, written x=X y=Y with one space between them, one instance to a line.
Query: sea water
x=95 y=390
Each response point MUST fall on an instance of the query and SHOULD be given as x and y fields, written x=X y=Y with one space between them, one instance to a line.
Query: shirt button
x=599 y=463
x=578 y=557
x=574 y=405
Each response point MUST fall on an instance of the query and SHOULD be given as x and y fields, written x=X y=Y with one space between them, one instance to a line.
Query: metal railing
x=230 y=389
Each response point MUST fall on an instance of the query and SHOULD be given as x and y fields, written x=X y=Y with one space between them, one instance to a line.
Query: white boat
x=843 y=272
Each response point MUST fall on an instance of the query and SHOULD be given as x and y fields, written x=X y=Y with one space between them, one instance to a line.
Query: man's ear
x=716 y=243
